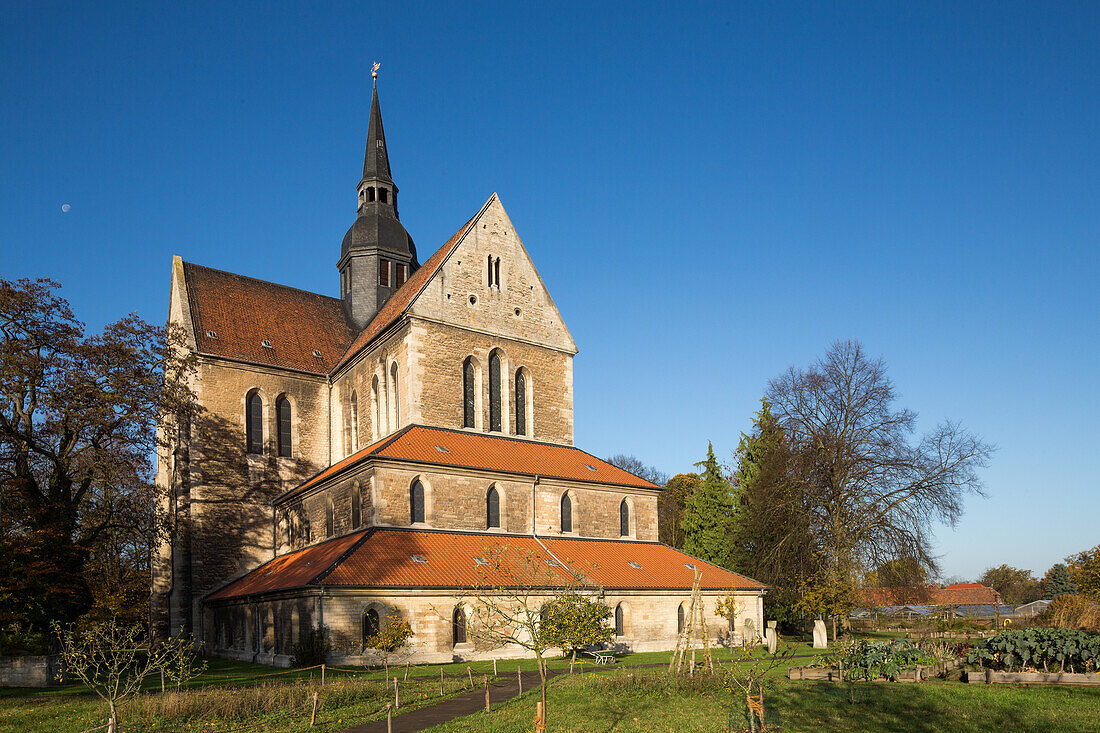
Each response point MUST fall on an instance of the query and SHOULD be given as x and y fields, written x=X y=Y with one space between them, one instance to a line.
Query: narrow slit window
x=624 y=519
x=384 y=272
x=619 y=625
x=400 y=274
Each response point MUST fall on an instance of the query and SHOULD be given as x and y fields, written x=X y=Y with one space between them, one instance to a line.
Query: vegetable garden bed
x=833 y=674
x=990 y=677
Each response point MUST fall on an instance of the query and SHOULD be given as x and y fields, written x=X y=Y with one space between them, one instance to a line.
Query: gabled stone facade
x=303 y=396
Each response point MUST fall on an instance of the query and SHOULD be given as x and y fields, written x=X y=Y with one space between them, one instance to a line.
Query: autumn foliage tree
x=78 y=415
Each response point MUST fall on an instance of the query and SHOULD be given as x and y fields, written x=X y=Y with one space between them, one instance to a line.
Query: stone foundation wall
x=38 y=671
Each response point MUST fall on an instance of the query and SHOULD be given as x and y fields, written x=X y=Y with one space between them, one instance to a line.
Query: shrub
x=869 y=660
x=1071 y=612
x=312 y=650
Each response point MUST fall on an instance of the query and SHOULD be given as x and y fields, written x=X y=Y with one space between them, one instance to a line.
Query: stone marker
x=821 y=638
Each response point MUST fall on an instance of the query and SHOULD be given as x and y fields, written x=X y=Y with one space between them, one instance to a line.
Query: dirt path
x=468 y=703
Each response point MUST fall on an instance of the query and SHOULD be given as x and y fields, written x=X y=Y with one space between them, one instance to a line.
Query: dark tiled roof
x=462 y=449
x=384 y=558
x=243 y=312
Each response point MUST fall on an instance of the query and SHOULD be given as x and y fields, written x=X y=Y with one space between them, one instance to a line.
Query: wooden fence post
x=406 y=671
x=396 y=698
x=313 y=716
x=540 y=721
x=470 y=674
x=322 y=675
x=441 y=681
x=519 y=679
x=494 y=666
x=486 y=693
x=389 y=718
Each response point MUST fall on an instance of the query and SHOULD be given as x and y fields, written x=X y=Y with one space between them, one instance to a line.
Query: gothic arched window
x=458 y=626
x=356 y=506
x=416 y=503
x=521 y=403
x=492 y=508
x=370 y=626
x=619 y=625
x=353 y=423
x=624 y=519
x=566 y=513
x=376 y=398
x=396 y=396
x=254 y=422
x=330 y=519
x=282 y=409
x=680 y=619
x=468 y=393
x=494 y=392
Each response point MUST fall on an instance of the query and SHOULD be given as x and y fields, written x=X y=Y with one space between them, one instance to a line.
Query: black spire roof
x=378 y=226
x=376 y=162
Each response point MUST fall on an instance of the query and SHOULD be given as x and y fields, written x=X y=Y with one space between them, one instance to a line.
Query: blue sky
x=712 y=193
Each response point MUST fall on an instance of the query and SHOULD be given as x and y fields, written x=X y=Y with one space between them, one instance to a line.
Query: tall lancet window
x=353 y=424
x=521 y=403
x=396 y=396
x=468 y=393
x=494 y=392
x=282 y=409
x=566 y=513
x=624 y=519
x=254 y=422
x=492 y=509
x=416 y=503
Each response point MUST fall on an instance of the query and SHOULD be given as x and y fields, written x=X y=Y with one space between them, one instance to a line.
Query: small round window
x=473 y=300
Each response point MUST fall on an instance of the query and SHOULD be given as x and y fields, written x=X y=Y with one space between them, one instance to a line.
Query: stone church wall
x=263 y=631
x=455 y=499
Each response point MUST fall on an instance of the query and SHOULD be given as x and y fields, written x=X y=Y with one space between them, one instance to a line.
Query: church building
x=359 y=457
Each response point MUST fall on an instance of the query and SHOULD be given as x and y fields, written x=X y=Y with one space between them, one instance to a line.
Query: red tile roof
x=960 y=594
x=243 y=312
x=403 y=297
x=486 y=451
x=384 y=558
x=291 y=570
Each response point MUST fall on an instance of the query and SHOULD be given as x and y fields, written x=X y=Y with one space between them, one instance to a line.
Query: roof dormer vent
x=266 y=344
x=316 y=354
x=211 y=334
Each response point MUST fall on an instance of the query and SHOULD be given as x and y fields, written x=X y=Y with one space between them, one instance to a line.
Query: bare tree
x=870 y=493
x=514 y=587
x=636 y=466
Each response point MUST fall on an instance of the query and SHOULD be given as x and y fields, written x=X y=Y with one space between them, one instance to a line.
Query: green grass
x=647 y=703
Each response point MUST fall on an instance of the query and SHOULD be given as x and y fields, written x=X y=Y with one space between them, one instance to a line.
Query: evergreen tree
x=770 y=540
x=708 y=514
x=1057 y=582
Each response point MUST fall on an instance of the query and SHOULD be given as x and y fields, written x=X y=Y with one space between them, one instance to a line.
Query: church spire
x=376 y=161
x=377 y=254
